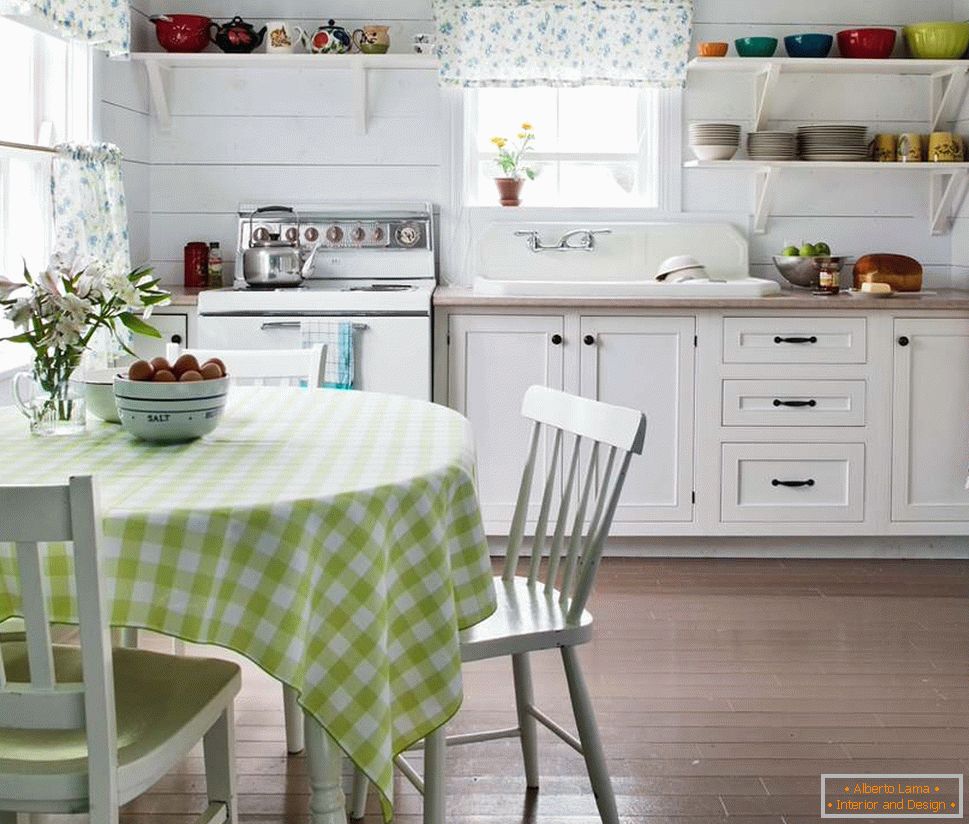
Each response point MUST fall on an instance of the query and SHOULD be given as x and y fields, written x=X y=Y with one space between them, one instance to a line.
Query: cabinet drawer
x=794 y=340
x=793 y=403
x=781 y=483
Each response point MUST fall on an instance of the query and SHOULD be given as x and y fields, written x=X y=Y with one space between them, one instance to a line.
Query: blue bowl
x=756 y=46
x=808 y=45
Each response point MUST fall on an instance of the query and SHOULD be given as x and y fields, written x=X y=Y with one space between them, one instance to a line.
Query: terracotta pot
x=509 y=190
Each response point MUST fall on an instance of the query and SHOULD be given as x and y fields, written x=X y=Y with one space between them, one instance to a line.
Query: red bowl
x=869 y=44
x=182 y=32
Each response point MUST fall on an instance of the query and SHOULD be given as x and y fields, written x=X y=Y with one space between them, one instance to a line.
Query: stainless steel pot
x=273 y=261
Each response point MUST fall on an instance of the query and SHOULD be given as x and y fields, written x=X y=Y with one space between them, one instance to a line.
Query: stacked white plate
x=772 y=146
x=714 y=141
x=834 y=142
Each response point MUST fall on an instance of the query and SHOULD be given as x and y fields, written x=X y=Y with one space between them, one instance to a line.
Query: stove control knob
x=261 y=234
x=312 y=234
x=334 y=234
x=378 y=233
x=292 y=234
x=408 y=235
x=358 y=234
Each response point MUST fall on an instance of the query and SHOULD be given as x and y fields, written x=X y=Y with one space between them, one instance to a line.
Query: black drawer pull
x=903 y=341
x=556 y=339
x=797 y=404
x=808 y=482
x=812 y=339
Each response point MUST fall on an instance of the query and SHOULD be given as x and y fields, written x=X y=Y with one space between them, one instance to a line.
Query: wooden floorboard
x=723 y=689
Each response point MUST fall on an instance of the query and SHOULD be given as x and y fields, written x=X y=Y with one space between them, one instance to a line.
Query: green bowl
x=937 y=41
x=756 y=46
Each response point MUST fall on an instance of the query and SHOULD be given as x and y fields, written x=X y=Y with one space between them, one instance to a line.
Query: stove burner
x=381 y=287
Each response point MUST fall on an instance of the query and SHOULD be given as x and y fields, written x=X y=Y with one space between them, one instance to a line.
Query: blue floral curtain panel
x=90 y=218
x=564 y=42
x=104 y=24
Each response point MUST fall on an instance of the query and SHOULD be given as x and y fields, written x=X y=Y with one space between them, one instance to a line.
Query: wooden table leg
x=324 y=761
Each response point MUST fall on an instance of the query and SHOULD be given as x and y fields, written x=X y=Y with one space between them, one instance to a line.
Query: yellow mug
x=945 y=147
x=909 y=148
x=884 y=148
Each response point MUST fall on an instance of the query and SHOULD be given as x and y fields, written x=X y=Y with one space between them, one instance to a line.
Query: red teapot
x=237 y=36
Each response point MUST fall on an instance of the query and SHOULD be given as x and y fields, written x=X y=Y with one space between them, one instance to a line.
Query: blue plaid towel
x=338 y=337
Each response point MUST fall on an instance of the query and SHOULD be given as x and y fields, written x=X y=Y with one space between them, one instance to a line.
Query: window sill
x=590 y=212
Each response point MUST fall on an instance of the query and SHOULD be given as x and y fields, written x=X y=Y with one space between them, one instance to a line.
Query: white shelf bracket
x=948 y=191
x=764 y=84
x=947 y=91
x=765 y=181
x=360 y=98
x=158 y=89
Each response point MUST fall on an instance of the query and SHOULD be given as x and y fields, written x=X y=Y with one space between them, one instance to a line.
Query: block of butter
x=876 y=288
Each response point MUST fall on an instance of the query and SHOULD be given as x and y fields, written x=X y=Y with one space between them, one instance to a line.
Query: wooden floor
x=723 y=689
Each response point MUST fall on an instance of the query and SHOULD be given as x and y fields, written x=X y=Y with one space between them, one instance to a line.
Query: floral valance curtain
x=564 y=42
x=104 y=24
x=90 y=218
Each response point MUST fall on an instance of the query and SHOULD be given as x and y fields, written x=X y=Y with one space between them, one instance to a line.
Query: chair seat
x=164 y=704
x=526 y=619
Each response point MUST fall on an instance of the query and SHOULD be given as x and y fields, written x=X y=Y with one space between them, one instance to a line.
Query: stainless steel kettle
x=273 y=260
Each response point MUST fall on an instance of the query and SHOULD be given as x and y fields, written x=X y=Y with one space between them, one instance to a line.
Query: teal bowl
x=756 y=46
x=808 y=45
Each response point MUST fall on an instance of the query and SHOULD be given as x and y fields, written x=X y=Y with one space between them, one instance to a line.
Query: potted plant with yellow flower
x=510 y=161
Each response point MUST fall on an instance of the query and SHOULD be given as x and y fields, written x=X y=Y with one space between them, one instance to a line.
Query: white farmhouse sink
x=631 y=288
x=621 y=265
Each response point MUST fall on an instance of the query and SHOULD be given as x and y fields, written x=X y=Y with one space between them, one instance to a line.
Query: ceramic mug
x=945 y=147
x=909 y=148
x=884 y=148
x=372 y=39
x=282 y=37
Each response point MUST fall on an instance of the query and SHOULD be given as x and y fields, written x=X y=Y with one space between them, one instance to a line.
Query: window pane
x=26 y=217
x=599 y=119
x=597 y=184
x=19 y=121
x=502 y=111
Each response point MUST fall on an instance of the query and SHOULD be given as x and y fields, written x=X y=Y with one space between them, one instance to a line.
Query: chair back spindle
x=619 y=429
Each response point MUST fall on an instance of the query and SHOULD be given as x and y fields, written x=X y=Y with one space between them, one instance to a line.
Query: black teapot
x=237 y=36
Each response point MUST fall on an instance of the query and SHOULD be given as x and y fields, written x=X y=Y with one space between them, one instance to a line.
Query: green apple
x=789 y=251
x=822 y=248
x=808 y=250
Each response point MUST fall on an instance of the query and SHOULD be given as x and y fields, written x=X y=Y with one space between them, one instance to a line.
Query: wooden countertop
x=931 y=299
x=182 y=295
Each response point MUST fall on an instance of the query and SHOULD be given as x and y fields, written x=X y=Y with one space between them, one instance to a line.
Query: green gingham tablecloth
x=334 y=538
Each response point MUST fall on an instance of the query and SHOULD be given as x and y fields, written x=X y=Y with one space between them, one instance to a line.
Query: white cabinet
x=647 y=363
x=173 y=328
x=930 y=420
x=492 y=360
x=643 y=362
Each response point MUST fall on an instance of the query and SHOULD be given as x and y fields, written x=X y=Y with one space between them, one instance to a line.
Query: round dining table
x=332 y=537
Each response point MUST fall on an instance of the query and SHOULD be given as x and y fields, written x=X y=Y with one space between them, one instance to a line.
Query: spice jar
x=196 y=264
x=829 y=279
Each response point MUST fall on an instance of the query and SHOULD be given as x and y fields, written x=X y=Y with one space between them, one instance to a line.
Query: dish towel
x=338 y=337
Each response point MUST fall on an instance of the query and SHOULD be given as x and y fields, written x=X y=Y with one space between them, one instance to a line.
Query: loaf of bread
x=902 y=273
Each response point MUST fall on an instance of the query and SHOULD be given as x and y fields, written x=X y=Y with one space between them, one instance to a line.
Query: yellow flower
x=527 y=127
x=522 y=135
x=499 y=142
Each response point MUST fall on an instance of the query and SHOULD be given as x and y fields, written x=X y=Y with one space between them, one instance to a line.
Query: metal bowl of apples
x=167 y=402
x=801 y=266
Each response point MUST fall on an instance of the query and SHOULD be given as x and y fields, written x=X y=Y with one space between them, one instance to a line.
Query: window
x=594 y=146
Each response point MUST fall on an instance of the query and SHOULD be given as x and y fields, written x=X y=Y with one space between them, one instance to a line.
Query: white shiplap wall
x=270 y=135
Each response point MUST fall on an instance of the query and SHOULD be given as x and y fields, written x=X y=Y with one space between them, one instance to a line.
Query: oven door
x=391 y=354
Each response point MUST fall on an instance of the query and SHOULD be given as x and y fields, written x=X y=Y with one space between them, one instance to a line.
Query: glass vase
x=53 y=405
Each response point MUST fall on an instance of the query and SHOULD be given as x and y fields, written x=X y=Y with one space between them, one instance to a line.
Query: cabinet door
x=930 y=438
x=647 y=363
x=491 y=362
x=173 y=328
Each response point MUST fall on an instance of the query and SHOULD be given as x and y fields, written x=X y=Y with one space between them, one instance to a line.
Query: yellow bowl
x=937 y=41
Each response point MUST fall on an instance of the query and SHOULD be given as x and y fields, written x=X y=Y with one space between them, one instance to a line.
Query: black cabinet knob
x=589 y=340
x=903 y=341
x=557 y=339
x=176 y=338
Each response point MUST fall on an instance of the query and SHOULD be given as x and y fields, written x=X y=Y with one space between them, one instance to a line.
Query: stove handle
x=280 y=324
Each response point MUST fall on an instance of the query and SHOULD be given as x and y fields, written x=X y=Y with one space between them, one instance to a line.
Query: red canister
x=196 y=264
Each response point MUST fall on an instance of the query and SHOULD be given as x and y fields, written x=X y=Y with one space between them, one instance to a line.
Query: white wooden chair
x=87 y=728
x=533 y=615
x=274 y=367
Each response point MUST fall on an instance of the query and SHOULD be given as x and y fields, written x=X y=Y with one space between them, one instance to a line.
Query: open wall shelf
x=158 y=65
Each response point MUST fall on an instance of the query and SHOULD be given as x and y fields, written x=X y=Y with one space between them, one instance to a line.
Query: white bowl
x=675 y=263
x=170 y=426
x=98 y=387
x=714 y=152
x=148 y=390
x=170 y=412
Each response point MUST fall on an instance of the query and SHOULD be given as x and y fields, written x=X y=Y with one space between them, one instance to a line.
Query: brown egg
x=140 y=371
x=165 y=376
x=220 y=363
x=189 y=376
x=210 y=371
x=185 y=363
x=161 y=363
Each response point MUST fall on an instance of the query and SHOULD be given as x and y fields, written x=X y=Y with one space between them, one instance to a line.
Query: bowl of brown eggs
x=171 y=402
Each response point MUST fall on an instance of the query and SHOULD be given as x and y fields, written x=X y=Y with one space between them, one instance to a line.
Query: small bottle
x=215 y=265
x=829 y=279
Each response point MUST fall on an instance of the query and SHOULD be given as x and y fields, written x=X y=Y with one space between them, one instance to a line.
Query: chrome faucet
x=586 y=240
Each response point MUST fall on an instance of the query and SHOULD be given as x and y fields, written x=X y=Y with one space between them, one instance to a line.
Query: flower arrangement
x=511 y=155
x=59 y=311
